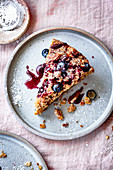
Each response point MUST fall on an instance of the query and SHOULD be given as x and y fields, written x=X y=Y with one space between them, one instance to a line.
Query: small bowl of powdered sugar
x=14 y=20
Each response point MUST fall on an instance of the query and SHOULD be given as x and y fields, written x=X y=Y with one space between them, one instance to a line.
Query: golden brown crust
x=58 y=50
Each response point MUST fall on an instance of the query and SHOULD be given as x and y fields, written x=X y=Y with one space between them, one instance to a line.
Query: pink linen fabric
x=92 y=152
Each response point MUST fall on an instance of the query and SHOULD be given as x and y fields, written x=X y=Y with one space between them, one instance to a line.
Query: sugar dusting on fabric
x=12 y=14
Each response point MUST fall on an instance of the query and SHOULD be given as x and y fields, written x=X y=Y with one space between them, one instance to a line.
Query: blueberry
x=63 y=74
x=57 y=87
x=86 y=65
x=86 y=68
x=45 y=52
x=91 y=94
x=62 y=66
x=66 y=65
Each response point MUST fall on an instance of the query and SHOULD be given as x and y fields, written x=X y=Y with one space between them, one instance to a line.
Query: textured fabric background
x=92 y=152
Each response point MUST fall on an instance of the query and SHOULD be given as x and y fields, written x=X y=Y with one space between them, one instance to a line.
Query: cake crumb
x=77 y=121
x=40 y=167
x=64 y=99
x=3 y=155
x=81 y=126
x=60 y=98
x=28 y=164
x=55 y=104
x=82 y=102
x=71 y=108
x=65 y=124
x=85 y=84
x=42 y=126
x=112 y=128
x=58 y=113
x=107 y=137
x=62 y=102
x=44 y=121
x=87 y=100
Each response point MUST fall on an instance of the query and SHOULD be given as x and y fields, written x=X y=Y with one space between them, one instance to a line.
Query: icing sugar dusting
x=11 y=14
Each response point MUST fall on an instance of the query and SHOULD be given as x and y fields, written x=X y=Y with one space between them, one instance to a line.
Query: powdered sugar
x=11 y=14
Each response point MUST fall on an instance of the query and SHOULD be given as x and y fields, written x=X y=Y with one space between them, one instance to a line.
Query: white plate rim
x=81 y=133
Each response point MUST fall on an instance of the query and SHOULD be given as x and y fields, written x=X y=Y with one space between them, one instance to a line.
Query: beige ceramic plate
x=10 y=36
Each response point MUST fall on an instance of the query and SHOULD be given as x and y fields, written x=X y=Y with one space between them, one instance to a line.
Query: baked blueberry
x=57 y=87
x=62 y=66
x=45 y=52
x=86 y=67
x=91 y=94
x=63 y=74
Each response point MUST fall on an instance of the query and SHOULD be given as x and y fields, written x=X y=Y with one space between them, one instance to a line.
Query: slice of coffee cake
x=64 y=68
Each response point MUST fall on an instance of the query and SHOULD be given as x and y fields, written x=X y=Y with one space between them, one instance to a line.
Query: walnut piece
x=71 y=108
x=58 y=113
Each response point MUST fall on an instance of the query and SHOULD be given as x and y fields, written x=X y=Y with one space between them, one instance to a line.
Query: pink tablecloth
x=92 y=152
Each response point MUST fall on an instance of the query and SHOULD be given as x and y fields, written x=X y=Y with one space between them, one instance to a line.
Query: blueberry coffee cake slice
x=64 y=68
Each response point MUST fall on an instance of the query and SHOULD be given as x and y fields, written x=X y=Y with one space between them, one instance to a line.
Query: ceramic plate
x=18 y=151
x=21 y=100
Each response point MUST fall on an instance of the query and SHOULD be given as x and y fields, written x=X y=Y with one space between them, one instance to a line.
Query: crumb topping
x=82 y=102
x=107 y=137
x=3 y=155
x=40 y=167
x=42 y=126
x=28 y=164
x=55 y=104
x=58 y=113
x=63 y=102
x=71 y=108
x=87 y=100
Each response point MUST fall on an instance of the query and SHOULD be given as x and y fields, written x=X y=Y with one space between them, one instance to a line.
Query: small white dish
x=10 y=32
